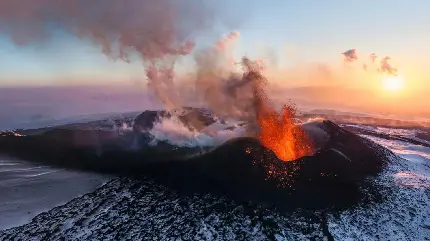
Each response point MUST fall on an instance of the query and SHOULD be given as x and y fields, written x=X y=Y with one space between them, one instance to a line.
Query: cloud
x=385 y=67
x=350 y=55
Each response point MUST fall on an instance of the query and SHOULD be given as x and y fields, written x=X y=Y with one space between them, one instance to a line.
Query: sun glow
x=393 y=83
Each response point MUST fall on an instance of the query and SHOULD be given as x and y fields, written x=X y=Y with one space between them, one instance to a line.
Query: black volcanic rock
x=145 y=121
x=193 y=118
x=240 y=168
x=196 y=119
x=226 y=193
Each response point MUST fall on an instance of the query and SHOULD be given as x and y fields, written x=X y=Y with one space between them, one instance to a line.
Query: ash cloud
x=157 y=31
x=226 y=41
x=226 y=90
x=152 y=28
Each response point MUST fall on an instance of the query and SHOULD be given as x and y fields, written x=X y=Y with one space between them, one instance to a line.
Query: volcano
x=241 y=168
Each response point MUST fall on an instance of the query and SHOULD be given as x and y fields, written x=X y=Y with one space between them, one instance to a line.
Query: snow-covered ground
x=136 y=209
x=405 y=213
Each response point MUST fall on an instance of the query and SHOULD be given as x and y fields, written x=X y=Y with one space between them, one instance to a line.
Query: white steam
x=173 y=131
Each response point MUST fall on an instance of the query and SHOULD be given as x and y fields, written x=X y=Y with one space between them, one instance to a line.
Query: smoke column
x=156 y=31
x=244 y=95
x=219 y=84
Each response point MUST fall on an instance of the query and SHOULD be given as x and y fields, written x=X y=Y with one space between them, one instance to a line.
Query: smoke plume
x=225 y=90
x=156 y=31
x=159 y=32
x=224 y=43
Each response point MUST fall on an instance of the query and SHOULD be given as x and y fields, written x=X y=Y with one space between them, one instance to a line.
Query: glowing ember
x=279 y=133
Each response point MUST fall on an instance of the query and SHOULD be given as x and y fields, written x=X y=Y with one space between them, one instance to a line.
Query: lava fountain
x=279 y=133
x=277 y=130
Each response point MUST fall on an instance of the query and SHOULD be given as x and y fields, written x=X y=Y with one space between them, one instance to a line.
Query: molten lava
x=279 y=133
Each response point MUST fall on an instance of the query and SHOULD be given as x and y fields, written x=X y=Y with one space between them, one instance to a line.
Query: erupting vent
x=279 y=133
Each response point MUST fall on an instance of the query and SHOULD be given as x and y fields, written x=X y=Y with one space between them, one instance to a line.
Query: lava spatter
x=279 y=133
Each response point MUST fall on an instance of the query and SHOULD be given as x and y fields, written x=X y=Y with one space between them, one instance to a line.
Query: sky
x=296 y=37
x=306 y=31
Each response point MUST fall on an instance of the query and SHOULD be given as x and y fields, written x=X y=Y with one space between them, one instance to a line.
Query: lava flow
x=279 y=133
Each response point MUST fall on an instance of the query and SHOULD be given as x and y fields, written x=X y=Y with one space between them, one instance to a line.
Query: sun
x=393 y=83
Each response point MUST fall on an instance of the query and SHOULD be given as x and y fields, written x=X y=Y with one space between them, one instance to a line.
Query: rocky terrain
x=356 y=186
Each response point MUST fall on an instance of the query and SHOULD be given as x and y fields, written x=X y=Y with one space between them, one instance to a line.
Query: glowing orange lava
x=279 y=133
